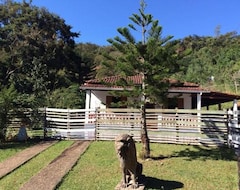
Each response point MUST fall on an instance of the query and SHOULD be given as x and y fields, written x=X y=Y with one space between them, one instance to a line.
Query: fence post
x=234 y=134
x=68 y=124
x=177 y=125
x=96 y=121
x=235 y=118
x=45 y=123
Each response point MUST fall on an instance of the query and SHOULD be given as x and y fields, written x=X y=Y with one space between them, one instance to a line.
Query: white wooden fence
x=70 y=123
x=179 y=126
x=34 y=121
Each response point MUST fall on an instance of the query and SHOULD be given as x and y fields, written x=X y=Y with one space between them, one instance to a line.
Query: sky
x=98 y=20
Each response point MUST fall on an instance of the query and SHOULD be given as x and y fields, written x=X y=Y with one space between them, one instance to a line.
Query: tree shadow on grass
x=202 y=153
x=18 y=145
x=154 y=183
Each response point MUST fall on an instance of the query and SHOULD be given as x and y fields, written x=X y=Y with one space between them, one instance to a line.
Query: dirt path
x=22 y=157
x=50 y=176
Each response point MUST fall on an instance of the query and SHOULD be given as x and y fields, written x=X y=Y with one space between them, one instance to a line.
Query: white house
x=189 y=95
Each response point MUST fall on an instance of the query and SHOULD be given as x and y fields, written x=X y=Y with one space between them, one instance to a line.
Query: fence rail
x=178 y=126
x=70 y=123
x=34 y=121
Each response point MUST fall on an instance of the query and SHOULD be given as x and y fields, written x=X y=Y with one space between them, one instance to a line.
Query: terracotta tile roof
x=113 y=79
x=208 y=97
x=110 y=82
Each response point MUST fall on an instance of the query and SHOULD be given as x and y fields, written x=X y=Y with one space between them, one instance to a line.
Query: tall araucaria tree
x=153 y=58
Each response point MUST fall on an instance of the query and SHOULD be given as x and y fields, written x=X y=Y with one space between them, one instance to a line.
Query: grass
x=171 y=167
x=10 y=148
x=188 y=167
x=18 y=177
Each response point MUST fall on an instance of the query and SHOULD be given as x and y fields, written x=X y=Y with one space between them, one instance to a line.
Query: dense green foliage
x=39 y=56
x=40 y=63
x=37 y=52
x=213 y=62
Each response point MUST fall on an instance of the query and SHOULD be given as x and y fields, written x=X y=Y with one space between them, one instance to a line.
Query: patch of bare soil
x=50 y=176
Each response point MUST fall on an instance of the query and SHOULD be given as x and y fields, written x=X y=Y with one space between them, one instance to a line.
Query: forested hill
x=213 y=61
x=41 y=65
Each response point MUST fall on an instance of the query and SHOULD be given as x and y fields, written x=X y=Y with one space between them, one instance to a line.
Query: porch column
x=199 y=101
x=235 y=110
x=88 y=99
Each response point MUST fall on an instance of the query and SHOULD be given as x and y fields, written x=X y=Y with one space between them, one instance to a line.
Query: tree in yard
x=7 y=97
x=37 y=56
x=37 y=50
x=153 y=58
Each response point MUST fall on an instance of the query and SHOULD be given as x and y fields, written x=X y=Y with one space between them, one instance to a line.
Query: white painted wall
x=97 y=99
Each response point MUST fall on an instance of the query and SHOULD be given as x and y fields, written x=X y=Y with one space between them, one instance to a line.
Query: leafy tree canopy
x=36 y=50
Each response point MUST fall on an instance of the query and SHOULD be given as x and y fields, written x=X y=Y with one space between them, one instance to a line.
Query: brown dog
x=126 y=151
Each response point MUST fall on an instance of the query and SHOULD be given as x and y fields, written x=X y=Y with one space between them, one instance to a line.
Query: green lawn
x=172 y=167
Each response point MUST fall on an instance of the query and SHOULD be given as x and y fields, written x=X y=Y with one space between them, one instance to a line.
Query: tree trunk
x=144 y=133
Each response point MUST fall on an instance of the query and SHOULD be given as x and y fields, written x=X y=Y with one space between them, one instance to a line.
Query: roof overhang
x=208 y=97
x=103 y=88
x=213 y=98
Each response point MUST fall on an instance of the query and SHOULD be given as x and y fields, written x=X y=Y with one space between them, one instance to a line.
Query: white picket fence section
x=178 y=126
x=70 y=123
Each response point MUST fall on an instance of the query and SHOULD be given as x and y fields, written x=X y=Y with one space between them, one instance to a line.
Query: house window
x=175 y=103
x=115 y=102
x=180 y=102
